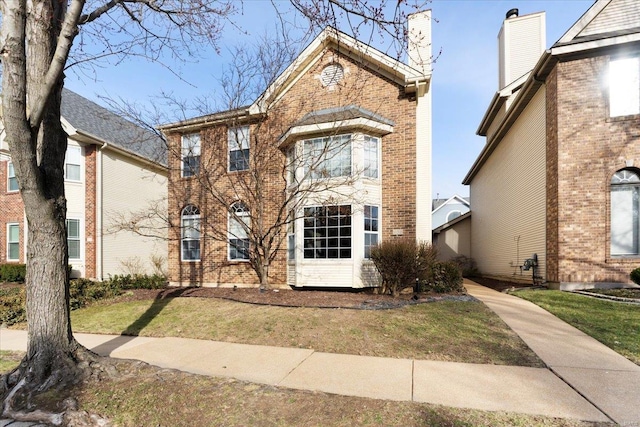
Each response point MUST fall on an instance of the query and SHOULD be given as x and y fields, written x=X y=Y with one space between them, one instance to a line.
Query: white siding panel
x=129 y=187
x=618 y=15
x=508 y=196
x=325 y=273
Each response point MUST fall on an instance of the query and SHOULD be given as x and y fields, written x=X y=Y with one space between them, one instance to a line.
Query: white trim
x=595 y=44
x=9 y=225
x=361 y=123
x=456 y=197
x=199 y=218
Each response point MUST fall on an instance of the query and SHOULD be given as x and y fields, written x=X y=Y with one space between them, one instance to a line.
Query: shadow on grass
x=132 y=331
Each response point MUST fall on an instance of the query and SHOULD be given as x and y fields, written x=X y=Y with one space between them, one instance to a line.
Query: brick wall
x=552 y=176
x=90 y=211
x=591 y=147
x=360 y=86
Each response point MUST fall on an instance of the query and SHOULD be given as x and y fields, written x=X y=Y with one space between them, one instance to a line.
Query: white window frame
x=11 y=175
x=324 y=156
x=291 y=237
x=190 y=214
x=371 y=156
x=321 y=230
x=75 y=238
x=73 y=157
x=190 y=149
x=625 y=219
x=371 y=228
x=238 y=143
x=624 y=86
x=11 y=242
x=236 y=232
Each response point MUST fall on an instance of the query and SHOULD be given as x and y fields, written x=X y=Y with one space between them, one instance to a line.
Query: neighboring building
x=453 y=238
x=362 y=118
x=446 y=210
x=559 y=175
x=111 y=167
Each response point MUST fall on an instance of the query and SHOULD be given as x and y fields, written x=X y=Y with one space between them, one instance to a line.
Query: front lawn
x=614 y=324
x=448 y=330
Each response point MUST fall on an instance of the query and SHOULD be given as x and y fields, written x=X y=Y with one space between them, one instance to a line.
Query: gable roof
x=599 y=28
x=439 y=203
x=100 y=125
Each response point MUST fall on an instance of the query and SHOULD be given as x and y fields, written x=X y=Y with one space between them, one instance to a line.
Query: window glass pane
x=324 y=233
x=73 y=160
x=190 y=154
x=624 y=220
x=13 y=249
x=12 y=180
x=74 y=249
x=370 y=228
x=327 y=157
x=624 y=87
x=239 y=160
x=190 y=223
x=370 y=157
x=73 y=228
x=238 y=138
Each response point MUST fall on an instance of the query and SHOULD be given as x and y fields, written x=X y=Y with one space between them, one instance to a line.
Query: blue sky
x=465 y=76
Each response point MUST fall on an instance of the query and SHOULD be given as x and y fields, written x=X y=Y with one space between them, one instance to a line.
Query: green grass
x=9 y=360
x=449 y=331
x=614 y=324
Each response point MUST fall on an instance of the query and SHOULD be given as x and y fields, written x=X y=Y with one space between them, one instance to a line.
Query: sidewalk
x=586 y=380
x=606 y=379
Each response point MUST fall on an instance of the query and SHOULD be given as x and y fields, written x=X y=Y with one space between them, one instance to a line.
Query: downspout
x=99 y=210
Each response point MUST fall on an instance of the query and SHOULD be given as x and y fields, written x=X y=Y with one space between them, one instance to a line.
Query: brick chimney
x=521 y=42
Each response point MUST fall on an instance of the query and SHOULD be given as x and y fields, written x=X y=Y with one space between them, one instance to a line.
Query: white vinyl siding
x=120 y=197
x=508 y=196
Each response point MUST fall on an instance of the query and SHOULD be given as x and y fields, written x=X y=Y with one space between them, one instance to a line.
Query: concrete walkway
x=586 y=380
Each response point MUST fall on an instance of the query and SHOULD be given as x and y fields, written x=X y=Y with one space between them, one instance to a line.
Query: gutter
x=536 y=79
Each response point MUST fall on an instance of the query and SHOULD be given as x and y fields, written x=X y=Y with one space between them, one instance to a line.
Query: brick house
x=341 y=140
x=112 y=166
x=559 y=175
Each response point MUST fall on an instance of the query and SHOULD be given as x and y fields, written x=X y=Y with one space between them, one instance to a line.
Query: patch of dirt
x=501 y=285
x=295 y=298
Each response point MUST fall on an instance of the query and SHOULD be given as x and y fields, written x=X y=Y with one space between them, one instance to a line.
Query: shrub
x=13 y=272
x=467 y=266
x=635 y=276
x=139 y=281
x=12 y=305
x=402 y=262
x=84 y=291
x=444 y=277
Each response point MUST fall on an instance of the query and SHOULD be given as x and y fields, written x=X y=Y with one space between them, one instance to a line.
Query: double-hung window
x=72 y=164
x=625 y=213
x=12 y=181
x=190 y=230
x=239 y=222
x=371 y=156
x=327 y=157
x=327 y=232
x=190 y=155
x=371 y=222
x=238 y=142
x=291 y=237
x=73 y=238
x=624 y=87
x=13 y=242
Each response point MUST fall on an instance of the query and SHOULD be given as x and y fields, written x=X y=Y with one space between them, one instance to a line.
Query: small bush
x=84 y=291
x=635 y=276
x=402 y=262
x=12 y=305
x=139 y=281
x=444 y=277
x=467 y=266
x=13 y=272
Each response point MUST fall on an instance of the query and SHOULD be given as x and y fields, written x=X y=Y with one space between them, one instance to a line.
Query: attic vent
x=331 y=74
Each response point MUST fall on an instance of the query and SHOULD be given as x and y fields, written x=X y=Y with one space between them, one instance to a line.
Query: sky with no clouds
x=465 y=75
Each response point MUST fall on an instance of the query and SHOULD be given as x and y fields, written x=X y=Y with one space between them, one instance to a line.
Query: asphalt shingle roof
x=91 y=118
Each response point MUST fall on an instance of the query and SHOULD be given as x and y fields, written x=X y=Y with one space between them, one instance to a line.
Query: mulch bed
x=296 y=298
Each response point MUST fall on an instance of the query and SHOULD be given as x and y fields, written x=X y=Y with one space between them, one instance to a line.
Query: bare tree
x=36 y=48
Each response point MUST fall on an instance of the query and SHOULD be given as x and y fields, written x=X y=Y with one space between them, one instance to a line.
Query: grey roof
x=338 y=114
x=90 y=118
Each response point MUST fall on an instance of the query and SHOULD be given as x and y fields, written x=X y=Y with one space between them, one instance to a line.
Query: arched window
x=190 y=229
x=239 y=223
x=625 y=204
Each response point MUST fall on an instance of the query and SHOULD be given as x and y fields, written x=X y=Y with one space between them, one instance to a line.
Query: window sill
x=622 y=118
x=190 y=260
x=624 y=259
